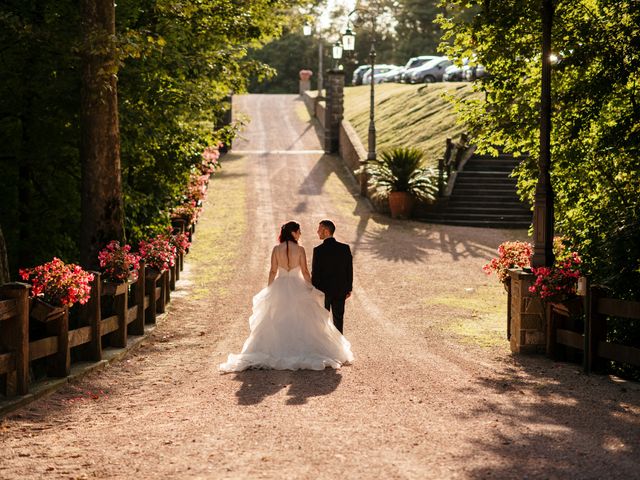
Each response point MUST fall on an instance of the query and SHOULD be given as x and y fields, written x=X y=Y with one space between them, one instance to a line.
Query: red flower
x=510 y=255
x=118 y=265
x=558 y=281
x=159 y=252
x=58 y=283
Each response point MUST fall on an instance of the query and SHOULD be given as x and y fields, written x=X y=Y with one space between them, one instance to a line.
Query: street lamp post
x=543 y=221
x=308 y=30
x=336 y=54
x=348 y=42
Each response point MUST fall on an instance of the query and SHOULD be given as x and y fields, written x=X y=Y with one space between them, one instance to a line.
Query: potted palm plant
x=400 y=176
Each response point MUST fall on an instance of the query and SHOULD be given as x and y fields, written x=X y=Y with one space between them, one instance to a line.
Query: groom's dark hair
x=328 y=224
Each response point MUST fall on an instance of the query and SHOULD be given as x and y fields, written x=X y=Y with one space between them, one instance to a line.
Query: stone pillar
x=528 y=325
x=305 y=80
x=334 y=110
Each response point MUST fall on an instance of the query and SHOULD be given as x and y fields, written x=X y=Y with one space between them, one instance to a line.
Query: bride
x=290 y=327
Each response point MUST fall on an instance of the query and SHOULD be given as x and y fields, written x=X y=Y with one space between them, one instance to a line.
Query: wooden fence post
x=172 y=274
x=584 y=290
x=151 y=281
x=164 y=291
x=15 y=336
x=60 y=362
x=137 y=326
x=597 y=329
x=93 y=315
x=120 y=304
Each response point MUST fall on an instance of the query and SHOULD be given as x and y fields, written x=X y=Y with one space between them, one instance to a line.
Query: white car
x=377 y=72
x=390 y=76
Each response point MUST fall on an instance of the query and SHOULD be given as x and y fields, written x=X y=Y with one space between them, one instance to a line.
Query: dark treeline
x=414 y=32
x=176 y=63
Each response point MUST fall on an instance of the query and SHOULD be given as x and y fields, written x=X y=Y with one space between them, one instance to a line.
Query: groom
x=332 y=271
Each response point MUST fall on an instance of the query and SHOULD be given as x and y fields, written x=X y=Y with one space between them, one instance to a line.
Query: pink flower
x=117 y=264
x=510 y=255
x=58 y=283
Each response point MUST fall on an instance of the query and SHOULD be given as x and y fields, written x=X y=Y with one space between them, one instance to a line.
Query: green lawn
x=408 y=115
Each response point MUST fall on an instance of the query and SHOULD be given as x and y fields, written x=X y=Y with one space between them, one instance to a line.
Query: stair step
x=478 y=223
x=486 y=200
x=480 y=189
x=484 y=195
x=489 y=182
x=484 y=174
x=503 y=157
x=492 y=209
x=480 y=215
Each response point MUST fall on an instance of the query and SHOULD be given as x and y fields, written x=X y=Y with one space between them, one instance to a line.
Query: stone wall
x=528 y=322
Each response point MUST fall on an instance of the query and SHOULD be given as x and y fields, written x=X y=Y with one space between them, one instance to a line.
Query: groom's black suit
x=332 y=273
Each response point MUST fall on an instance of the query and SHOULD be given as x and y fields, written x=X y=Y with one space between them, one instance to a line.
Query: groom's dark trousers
x=332 y=273
x=335 y=304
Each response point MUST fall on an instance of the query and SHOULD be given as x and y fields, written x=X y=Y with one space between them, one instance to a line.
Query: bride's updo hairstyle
x=286 y=232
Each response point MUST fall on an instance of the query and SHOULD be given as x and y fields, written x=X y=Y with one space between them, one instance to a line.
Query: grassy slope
x=408 y=115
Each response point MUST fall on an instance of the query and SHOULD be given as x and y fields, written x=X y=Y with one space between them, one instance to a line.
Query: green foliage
x=178 y=64
x=596 y=121
x=417 y=33
x=596 y=116
x=286 y=56
x=401 y=169
x=403 y=29
x=39 y=104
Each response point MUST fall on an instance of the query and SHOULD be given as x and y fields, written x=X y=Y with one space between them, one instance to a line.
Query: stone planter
x=527 y=315
x=400 y=204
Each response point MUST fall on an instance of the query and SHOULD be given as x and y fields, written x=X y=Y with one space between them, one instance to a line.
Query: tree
x=417 y=32
x=102 y=207
x=596 y=116
x=177 y=63
x=4 y=262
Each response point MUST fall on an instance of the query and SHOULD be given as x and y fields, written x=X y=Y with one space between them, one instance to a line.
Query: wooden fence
x=26 y=336
x=583 y=327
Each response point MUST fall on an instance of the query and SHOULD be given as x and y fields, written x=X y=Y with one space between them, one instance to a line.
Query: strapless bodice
x=284 y=272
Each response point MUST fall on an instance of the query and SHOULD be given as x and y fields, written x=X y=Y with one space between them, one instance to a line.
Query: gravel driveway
x=434 y=391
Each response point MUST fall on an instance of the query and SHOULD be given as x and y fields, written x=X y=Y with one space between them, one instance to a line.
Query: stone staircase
x=484 y=195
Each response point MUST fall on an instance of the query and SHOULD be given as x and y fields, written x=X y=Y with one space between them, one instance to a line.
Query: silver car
x=413 y=63
x=430 y=72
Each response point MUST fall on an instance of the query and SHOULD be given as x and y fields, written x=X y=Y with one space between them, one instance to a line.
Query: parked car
x=412 y=64
x=358 y=73
x=430 y=72
x=475 y=72
x=390 y=76
x=377 y=72
x=455 y=73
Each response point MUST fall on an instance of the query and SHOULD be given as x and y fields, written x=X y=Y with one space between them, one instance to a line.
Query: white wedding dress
x=290 y=329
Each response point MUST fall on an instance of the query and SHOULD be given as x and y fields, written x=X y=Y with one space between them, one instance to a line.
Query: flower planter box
x=43 y=311
x=56 y=344
x=113 y=289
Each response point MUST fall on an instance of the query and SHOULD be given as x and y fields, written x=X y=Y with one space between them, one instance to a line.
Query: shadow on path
x=302 y=385
x=542 y=432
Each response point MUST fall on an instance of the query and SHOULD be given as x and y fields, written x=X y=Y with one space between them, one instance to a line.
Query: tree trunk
x=102 y=205
x=4 y=260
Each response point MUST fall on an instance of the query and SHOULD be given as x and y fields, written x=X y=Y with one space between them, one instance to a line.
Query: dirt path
x=434 y=392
